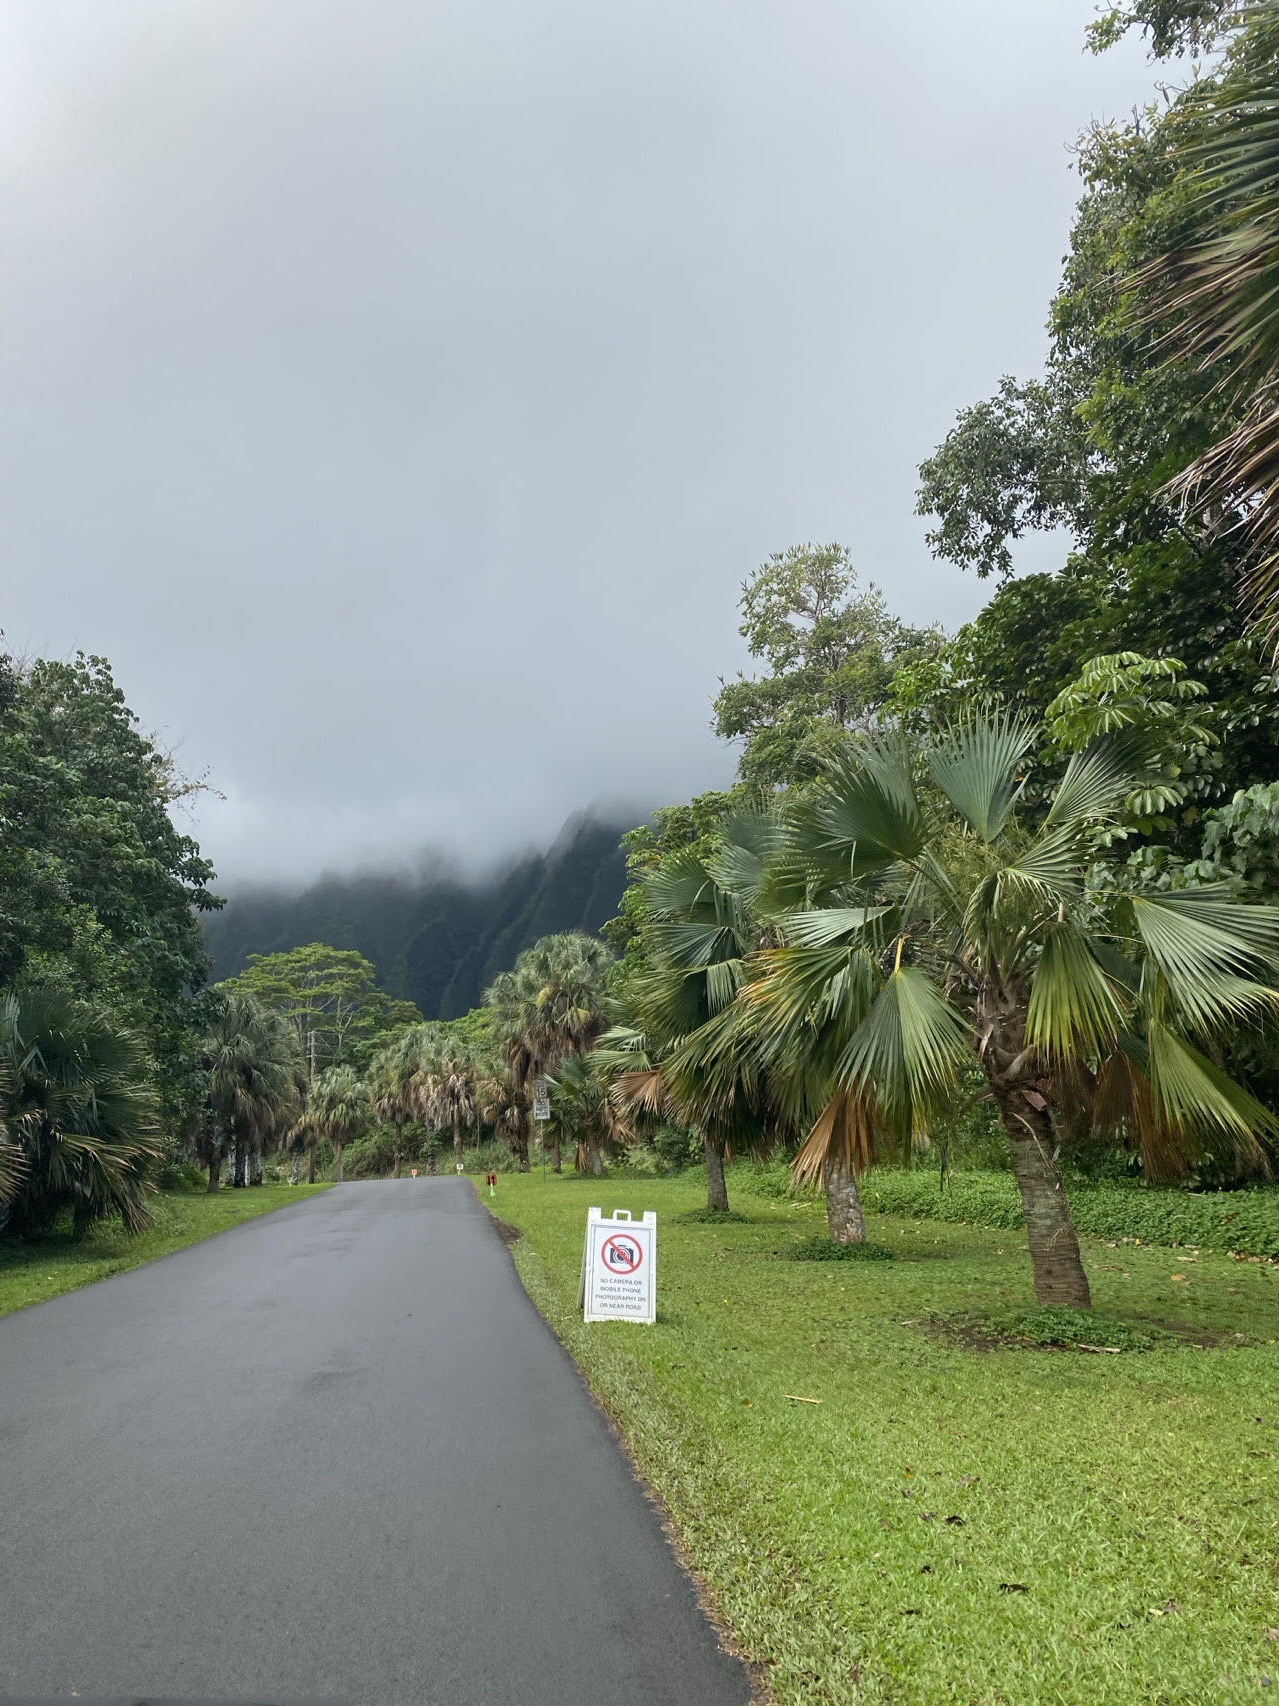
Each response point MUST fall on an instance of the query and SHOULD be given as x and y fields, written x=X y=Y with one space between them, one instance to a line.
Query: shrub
x=1246 y=1221
x=823 y=1249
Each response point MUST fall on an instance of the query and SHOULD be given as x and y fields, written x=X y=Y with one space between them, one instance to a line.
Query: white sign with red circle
x=619 y=1270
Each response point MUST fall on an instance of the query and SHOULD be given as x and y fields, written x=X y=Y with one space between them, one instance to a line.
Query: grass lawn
x=1006 y=1526
x=32 y=1271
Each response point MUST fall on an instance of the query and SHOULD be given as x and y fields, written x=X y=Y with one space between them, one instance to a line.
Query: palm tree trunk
x=457 y=1137
x=844 y=1214
x=716 y=1183
x=557 y=1165
x=399 y=1147
x=255 y=1162
x=297 y=1166
x=340 y=1149
x=595 y=1156
x=239 y=1163
x=1054 y=1244
x=310 y=1164
x=215 y=1172
x=521 y=1146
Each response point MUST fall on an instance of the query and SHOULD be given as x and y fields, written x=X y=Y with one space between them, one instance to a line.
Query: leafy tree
x=1215 y=296
x=830 y=651
x=256 y=1087
x=1091 y=448
x=341 y=1109
x=78 y=1112
x=98 y=889
x=926 y=926
x=332 y=995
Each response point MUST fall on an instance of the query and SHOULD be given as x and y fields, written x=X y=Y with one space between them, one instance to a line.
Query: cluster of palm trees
x=545 y=1014
x=833 y=973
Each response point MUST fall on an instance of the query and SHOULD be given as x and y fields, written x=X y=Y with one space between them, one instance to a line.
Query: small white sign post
x=619 y=1269
x=541 y=1099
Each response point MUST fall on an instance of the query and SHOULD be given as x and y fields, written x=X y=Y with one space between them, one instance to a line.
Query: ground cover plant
x=1244 y=1221
x=35 y=1269
x=885 y=1515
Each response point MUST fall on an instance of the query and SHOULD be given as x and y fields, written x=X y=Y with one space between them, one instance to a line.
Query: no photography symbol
x=621 y=1255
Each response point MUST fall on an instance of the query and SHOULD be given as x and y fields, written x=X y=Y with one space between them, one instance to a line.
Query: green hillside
x=435 y=938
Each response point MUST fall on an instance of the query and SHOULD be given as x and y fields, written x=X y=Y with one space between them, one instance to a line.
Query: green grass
x=997 y=1527
x=32 y=1271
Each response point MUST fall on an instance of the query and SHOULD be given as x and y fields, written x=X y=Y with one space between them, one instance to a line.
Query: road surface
x=333 y=1454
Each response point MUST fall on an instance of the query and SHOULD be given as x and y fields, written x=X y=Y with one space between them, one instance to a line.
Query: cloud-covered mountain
x=436 y=936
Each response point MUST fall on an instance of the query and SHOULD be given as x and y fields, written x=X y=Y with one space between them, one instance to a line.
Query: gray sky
x=397 y=391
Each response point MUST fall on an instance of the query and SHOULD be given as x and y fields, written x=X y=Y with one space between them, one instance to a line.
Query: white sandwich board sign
x=619 y=1269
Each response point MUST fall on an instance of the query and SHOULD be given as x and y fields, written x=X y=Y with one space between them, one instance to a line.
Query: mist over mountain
x=436 y=935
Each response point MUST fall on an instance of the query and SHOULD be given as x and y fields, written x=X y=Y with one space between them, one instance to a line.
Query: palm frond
x=978 y=765
x=1075 y=1009
x=910 y=1046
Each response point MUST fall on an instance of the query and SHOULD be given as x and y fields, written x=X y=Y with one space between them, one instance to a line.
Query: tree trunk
x=215 y=1172
x=239 y=1163
x=1054 y=1244
x=340 y=1150
x=457 y=1139
x=399 y=1147
x=297 y=1166
x=255 y=1162
x=844 y=1213
x=310 y=1164
x=558 y=1152
x=521 y=1145
x=595 y=1156
x=716 y=1183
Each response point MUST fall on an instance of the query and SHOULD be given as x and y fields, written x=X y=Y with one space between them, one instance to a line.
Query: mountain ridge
x=436 y=936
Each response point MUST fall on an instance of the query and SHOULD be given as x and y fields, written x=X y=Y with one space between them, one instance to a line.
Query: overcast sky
x=397 y=391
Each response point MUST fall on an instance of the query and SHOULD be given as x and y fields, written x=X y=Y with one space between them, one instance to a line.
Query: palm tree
x=704 y=924
x=550 y=1006
x=392 y=1078
x=1216 y=297
x=78 y=1113
x=504 y=1105
x=583 y=1110
x=341 y=1108
x=925 y=923
x=446 y=1093
x=256 y=1088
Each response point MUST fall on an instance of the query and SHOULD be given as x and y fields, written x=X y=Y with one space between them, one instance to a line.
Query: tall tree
x=448 y=1094
x=830 y=652
x=701 y=926
x=332 y=995
x=98 y=888
x=341 y=1109
x=584 y=1112
x=1094 y=446
x=393 y=1077
x=550 y=1006
x=923 y=928
x=256 y=1085
x=1215 y=297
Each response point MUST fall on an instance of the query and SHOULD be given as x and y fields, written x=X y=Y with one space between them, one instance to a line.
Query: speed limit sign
x=541 y=1099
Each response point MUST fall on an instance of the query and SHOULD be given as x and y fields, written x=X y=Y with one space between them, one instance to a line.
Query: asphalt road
x=333 y=1454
